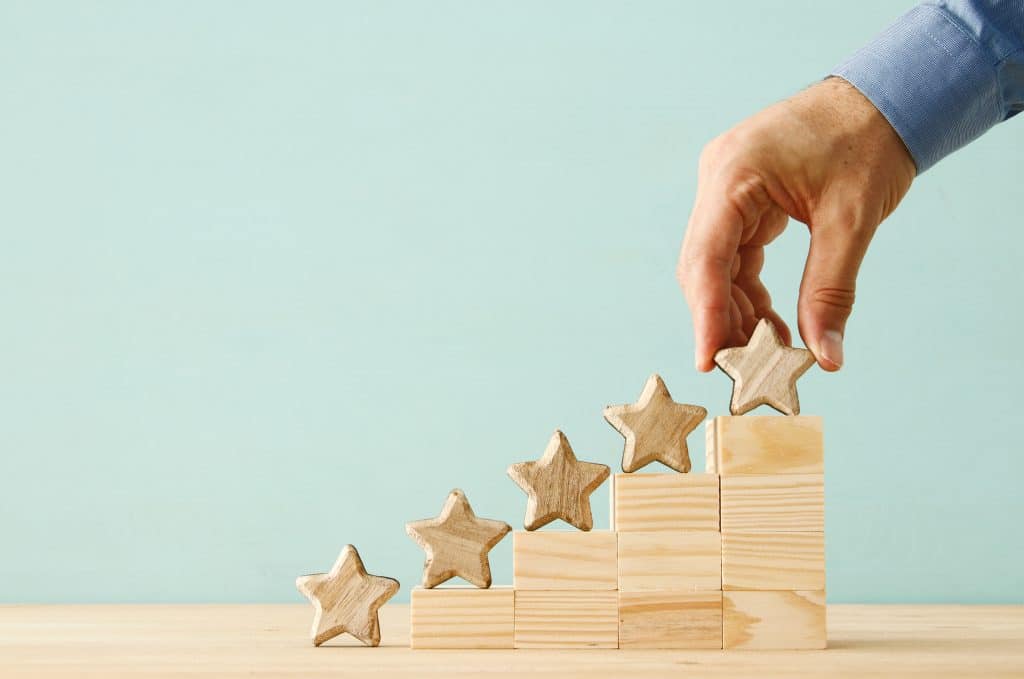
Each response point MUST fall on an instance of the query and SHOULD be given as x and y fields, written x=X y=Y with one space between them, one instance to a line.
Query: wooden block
x=462 y=617
x=774 y=620
x=347 y=599
x=566 y=619
x=672 y=502
x=764 y=372
x=670 y=619
x=457 y=542
x=558 y=485
x=564 y=560
x=773 y=502
x=655 y=428
x=773 y=561
x=682 y=561
x=765 y=445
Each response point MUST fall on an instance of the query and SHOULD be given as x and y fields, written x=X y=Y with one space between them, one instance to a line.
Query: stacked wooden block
x=462 y=617
x=773 y=529
x=669 y=560
x=733 y=558
x=565 y=589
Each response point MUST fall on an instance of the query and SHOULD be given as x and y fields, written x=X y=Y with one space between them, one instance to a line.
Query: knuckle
x=713 y=307
x=681 y=274
x=744 y=191
x=849 y=218
x=836 y=298
x=709 y=153
x=702 y=263
x=720 y=150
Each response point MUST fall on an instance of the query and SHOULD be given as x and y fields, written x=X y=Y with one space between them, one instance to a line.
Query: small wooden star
x=655 y=428
x=457 y=543
x=558 y=485
x=765 y=371
x=347 y=599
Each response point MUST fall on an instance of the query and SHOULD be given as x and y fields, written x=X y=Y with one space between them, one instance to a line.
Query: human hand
x=825 y=157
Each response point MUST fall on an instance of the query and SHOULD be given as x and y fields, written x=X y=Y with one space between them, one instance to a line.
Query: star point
x=558 y=485
x=764 y=372
x=655 y=428
x=347 y=599
x=457 y=542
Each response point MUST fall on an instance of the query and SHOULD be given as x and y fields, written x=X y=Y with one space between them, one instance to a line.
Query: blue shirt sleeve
x=944 y=73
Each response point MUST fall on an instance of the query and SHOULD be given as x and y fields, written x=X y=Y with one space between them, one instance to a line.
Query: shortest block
x=567 y=619
x=462 y=617
x=774 y=620
x=670 y=620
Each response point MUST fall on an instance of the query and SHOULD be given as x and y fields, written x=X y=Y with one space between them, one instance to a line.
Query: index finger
x=704 y=270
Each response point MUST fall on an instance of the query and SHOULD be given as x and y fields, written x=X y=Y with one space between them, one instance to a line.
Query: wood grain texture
x=567 y=619
x=764 y=372
x=765 y=445
x=664 y=502
x=564 y=560
x=558 y=486
x=655 y=428
x=457 y=543
x=773 y=502
x=774 y=620
x=670 y=620
x=346 y=599
x=773 y=561
x=175 y=641
x=686 y=561
x=462 y=617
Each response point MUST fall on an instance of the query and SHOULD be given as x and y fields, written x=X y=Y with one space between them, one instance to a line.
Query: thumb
x=838 y=245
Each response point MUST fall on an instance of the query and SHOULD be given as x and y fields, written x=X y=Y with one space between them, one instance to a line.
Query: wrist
x=855 y=128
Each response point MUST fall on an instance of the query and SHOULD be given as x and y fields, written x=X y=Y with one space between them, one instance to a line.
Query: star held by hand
x=457 y=543
x=558 y=486
x=765 y=371
x=655 y=428
x=347 y=599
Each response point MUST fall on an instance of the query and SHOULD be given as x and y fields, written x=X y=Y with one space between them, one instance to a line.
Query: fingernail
x=832 y=347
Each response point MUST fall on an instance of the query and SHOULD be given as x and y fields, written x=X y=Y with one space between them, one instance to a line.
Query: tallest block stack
x=772 y=491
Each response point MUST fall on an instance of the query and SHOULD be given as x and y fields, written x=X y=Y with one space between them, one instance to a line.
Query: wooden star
x=457 y=543
x=347 y=599
x=765 y=371
x=558 y=486
x=655 y=428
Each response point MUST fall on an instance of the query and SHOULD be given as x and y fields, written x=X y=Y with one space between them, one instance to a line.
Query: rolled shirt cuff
x=934 y=83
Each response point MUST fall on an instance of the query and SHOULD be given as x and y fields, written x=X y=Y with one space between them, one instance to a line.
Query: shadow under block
x=774 y=620
x=563 y=560
x=670 y=620
x=670 y=502
x=764 y=445
x=681 y=561
x=462 y=617
x=566 y=619
x=772 y=561
x=773 y=502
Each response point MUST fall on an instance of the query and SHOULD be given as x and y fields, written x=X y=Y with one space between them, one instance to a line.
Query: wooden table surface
x=272 y=641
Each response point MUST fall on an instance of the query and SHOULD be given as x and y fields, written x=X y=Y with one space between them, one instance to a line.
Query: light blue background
x=277 y=276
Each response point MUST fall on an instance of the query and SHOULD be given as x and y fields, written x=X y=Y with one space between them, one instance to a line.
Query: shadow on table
x=915 y=645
